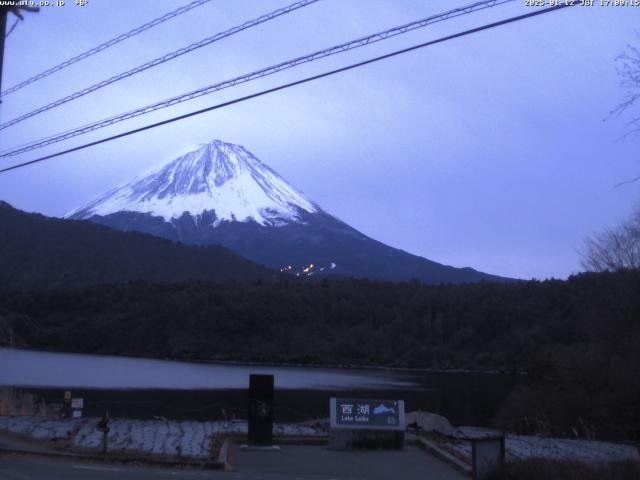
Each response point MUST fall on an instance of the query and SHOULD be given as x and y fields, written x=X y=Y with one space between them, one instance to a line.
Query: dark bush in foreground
x=544 y=469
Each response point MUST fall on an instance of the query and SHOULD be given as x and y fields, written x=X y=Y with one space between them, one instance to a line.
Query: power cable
x=292 y=84
x=160 y=60
x=360 y=42
x=104 y=46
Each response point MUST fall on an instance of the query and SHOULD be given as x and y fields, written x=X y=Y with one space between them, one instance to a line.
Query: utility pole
x=4 y=13
x=3 y=28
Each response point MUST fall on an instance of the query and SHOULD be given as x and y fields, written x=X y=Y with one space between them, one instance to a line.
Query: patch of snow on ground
x=169 y=438
x=39 y=428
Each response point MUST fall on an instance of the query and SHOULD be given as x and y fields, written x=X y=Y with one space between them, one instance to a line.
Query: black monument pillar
x=261 y=410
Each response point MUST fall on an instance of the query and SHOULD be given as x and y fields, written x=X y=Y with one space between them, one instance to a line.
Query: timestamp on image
x=582 y=3
x=50 y=3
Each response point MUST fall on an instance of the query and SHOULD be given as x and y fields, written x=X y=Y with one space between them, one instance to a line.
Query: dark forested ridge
x=577 y=339
x=318 y=238
x=43 y=252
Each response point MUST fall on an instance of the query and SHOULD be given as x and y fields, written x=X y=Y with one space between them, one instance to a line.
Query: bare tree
x=629 y=72
x=628 y=69
x=614 y=249
x=619 y=248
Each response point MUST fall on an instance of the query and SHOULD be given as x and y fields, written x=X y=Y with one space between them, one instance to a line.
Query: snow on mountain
x=218 y=176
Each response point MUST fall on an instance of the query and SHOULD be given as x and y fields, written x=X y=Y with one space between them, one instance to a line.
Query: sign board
x=77 y=402
x=367 y=414
x=77 y=414
x=366 y=423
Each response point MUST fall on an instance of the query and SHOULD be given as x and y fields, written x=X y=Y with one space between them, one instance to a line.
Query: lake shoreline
x=485 y=371
x=140 y=387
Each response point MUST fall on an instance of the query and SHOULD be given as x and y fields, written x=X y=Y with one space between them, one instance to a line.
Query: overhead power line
x=165 y=58
x=105 y=45
x=360 y=42
x=292 y=84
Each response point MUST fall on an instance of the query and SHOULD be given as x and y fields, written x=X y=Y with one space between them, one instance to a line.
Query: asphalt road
x=291 y=463
x=305 y=462
x=31 y=467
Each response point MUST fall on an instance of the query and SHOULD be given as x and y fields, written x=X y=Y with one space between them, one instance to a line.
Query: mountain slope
x=218 y=175
x=222 y=194
x=43 y=252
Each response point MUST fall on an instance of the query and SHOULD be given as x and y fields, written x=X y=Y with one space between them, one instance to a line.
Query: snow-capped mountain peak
x=218 y=176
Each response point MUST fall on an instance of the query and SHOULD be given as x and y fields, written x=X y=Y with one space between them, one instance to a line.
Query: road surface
x=290 y=463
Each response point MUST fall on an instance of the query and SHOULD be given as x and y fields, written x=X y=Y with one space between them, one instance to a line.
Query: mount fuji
x=222 y=194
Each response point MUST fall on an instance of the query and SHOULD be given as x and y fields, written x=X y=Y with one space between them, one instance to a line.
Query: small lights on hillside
x=305 y=271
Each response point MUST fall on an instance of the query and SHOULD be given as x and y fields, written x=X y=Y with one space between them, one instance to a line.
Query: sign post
x=103 y=426
x=260 y=410
x=362 y=423
x=487 y=456
x=66 y=407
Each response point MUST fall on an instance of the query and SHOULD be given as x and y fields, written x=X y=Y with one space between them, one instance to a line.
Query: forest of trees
x=47 y=252
x=577 y=340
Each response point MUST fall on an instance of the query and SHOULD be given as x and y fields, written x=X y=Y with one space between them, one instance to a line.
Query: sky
x=495 y=150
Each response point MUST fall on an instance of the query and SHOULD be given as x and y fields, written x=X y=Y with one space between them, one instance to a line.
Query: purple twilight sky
x=493 y=151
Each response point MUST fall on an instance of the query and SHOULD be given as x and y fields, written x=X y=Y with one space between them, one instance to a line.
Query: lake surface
x=28 y=368
x=146 y=388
